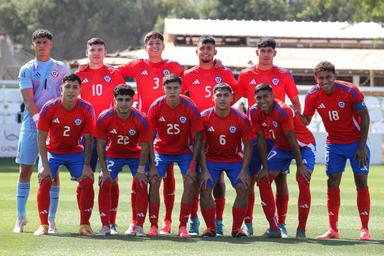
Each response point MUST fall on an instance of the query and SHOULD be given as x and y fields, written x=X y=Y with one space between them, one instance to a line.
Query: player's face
x=266 y=55
x=154 y=47
x=326 y=80
x=206 y=52
x=96 y=53
x=222 y=99
x=70 y=91
x=42 y=47
x=172 y=90
x=123 y=103
x=264 y=99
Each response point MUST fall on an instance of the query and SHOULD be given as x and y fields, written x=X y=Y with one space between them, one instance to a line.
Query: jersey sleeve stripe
x=241 y=115
x=141 y=118
x=190 y=105
x=87 y=106
x=105 y=115
x=348 y=89
x=48 y=105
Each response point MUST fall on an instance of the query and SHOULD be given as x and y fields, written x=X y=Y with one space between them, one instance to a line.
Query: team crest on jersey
x=341 y=104
x=54 y=73
x=166 y=72
x=77 y=121
x=232 y=129
x=183 y=119
x=274 y=123
x=218 y=79
x=275 y=81
x=132 y=132
x=107 y=79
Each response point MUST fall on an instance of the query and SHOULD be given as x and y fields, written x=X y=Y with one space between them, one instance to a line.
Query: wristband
x=35 y=118
x=141 y=169
x=192 y=165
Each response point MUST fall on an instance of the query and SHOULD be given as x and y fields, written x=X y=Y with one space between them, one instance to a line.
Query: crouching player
x=225 y=129
x=62 y=123
x=123 y=138
x=177 y=121
x=293 y=140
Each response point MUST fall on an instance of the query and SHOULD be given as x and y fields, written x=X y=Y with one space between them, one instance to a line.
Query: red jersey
x=66 y=127
x=337 y=111
x=223 y=135
x=280 y=79
x=280 y=120
x=199 y=83
x=149 y=78
x=123 y=136
x=97 y=86
x=175 y=127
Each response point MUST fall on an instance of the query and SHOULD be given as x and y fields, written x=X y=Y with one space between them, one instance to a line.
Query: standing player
x=346 y=120
x=63 y=121
x=176 y=120
x=39 y=81
x=225 y=130
x=97 y=84
x=292 y=141
x=149 y=75
x=123 y=138
x=198 y=83
x=282 y=84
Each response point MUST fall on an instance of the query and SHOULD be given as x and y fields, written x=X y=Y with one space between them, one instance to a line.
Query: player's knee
x=361 y=180
x=25 y=172
x=154 y=184
x=242 y=191
x=334 y=180
x=106 y=185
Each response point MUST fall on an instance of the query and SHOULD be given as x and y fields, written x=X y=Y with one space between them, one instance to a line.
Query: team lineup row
x=201 y=132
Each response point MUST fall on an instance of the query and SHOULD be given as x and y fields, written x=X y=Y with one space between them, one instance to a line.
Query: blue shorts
x=231 y=169
x=336 y=156
x=73 y=162
x=27 y=150
x=255 y=164
x=115 y=165
x=94 y=156
x=162 y=161
x=279 y=160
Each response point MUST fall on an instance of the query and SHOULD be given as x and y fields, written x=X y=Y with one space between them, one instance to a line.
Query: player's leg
x=335 y=166
x=240 y=205
x=189 y=183
x=194 y=223
x=219 y=195
x=26 y=157
x=132 y=226
x=84 y=191
x=207 y=204
x=169 y=186
x=281 y=200
x=114 y=205
x=43 y=198
x=363 y=196
x=304 y=200
x=161 y=162
x=54 y=204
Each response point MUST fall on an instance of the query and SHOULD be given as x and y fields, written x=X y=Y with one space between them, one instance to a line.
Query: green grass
x=68 y=243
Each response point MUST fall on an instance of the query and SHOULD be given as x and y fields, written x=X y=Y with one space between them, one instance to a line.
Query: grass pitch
x=67 y=242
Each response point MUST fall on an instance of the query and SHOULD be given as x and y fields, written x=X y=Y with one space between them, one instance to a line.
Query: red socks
x=105 y=201
x=268 y=202
x=209 y=217
x=154 y=214
x=238 y=215
x=185 y=211
x=363 y=205
x=169 y=192
x=43 y=200
x=304 y=202
x=114 y=201
x=141 y=203
x=333 y=205
x=85 y=196
x=251 y=201
x=220 y=205
x=282 y=207
x=133 y=200
x=195 y=205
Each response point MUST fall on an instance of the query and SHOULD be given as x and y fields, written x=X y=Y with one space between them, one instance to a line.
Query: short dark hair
x=206 y=40
x=171 y=78
x=123 y=89
x=222 y=86
x=72 y=77
x=324 y=66
x=153 y=35
x=42 y=33
x=266 y=42
x=263 y=87
x=95 y=41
